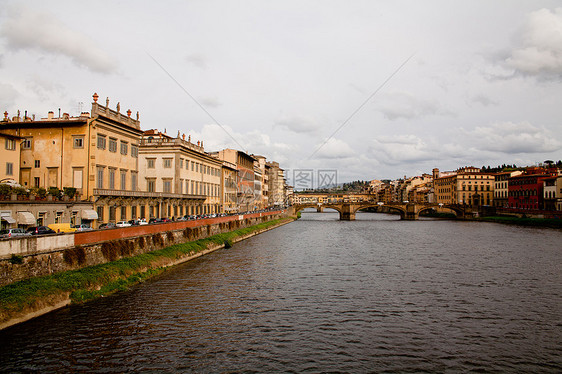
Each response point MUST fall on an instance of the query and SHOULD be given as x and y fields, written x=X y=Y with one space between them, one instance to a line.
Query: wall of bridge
x=46 y=255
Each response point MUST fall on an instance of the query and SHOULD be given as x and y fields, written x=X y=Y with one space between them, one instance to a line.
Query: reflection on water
x=319 y=294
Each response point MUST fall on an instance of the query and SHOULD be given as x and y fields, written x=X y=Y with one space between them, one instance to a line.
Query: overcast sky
x=449 y=83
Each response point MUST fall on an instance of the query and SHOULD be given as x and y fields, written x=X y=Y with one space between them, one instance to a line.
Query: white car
x=123 y=224
x=142 y=221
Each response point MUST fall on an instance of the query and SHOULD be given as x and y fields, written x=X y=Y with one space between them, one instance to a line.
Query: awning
x=26 y=218
x=89 y=214
x=8 y=219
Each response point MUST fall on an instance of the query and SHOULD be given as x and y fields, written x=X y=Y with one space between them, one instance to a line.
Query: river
x=322 y=295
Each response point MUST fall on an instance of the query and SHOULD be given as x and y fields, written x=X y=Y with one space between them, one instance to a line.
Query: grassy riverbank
x=31 y=295
x=535 y=222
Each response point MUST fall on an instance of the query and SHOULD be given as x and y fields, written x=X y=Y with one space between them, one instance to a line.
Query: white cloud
x=402 y=148
x=539 y=49
x=8 y=95
x=334 y=149
x=197 y=60
x=28 y=29
x=405 y=105
x=512 y=138
x=211 y=102
x=298 y=124
x=483 y=100
x=215 y=138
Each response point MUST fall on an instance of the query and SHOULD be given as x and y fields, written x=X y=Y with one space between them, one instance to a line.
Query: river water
x=321 y=295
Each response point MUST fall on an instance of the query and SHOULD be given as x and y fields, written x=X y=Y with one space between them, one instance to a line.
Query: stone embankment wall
x=39 y=256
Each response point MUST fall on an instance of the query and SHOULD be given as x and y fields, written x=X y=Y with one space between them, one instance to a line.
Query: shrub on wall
x=170 y=236
x=76 y=255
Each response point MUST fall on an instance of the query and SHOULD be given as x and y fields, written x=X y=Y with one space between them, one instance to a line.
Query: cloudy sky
x=372 y=89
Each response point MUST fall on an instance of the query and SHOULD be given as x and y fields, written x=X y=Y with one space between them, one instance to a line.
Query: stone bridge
x=407 y=211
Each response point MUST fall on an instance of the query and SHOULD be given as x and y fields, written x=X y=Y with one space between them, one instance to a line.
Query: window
x=111 y=179
x=26 y=144
x=124 y=148
x=186 y=164
x=151 y=185
x=112 y=145
x=134 y=181
x=9 y=168
x=167 y=186
x=10 y=144
x=123 y=179
x=150 y=163
x=37 y=182
x=78 y=141
x=58 y=217
x=37 y=163
x=99 y=173
x=41 y=219
x=123 y=212
x=99 y=209
x=181 y=163
x=101 y=141
x=134 y=151
x=112 y=211
x=167 y=162
x=134 y=212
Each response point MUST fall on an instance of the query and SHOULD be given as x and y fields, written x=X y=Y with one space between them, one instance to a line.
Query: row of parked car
x=66 y=227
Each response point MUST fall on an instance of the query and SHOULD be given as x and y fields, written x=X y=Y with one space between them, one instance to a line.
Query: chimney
x=51 y=115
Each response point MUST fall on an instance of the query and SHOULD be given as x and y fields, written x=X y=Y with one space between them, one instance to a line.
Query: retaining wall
x=51 y=254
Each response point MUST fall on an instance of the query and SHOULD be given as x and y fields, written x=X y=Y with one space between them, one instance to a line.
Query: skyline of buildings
x=126 y=173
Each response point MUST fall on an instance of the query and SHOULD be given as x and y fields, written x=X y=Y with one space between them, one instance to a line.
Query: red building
x=526 y=191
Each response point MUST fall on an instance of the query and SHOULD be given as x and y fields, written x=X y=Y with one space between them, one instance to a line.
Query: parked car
x=142 y=221
x=61 y=227
x=40 y=230
x=82 y=227
x=109 y=225
x=10 y=233
x=123 y=224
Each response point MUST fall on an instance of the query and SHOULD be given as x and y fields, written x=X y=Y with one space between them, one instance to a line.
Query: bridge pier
x=347 y=216
x=347 y=212
x=320 y=209
x=411 y=213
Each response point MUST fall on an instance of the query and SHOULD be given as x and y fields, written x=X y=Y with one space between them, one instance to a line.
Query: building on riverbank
x=178 y=177
x=466 y=186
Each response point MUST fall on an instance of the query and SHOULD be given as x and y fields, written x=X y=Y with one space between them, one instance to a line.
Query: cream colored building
x=229 y=187
x=261 y=188
x=501 y=191
x=245 y=178
x=183 y=178
x=276 y=188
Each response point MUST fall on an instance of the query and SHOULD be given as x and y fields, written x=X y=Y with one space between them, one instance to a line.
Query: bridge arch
x=383 y=208
x=297 y=208
x=457 y=210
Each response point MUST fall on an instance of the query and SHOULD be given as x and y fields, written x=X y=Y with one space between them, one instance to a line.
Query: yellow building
x=96 y=153
x=10 y=156
x=467 y=186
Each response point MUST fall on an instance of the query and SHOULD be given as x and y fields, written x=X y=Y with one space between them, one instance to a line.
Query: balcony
x=141 y=194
